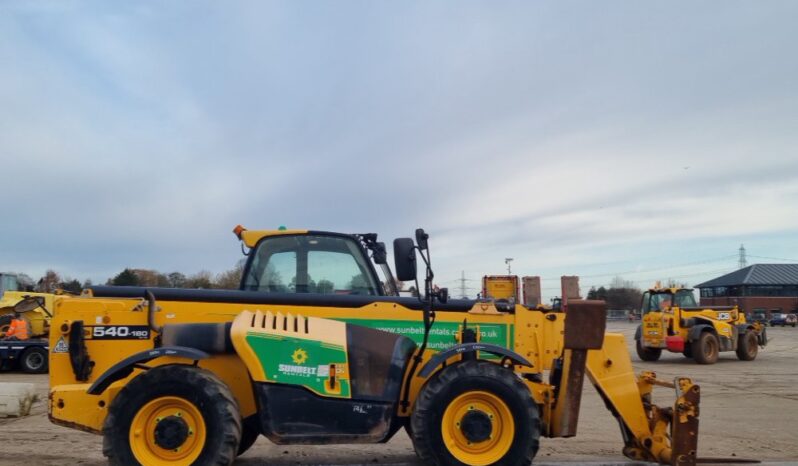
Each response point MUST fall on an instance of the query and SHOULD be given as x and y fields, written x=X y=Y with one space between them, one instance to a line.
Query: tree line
x=52 y=280
x=621 y=294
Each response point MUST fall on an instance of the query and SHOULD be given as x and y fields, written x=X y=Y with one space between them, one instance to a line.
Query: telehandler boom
x=312 y=350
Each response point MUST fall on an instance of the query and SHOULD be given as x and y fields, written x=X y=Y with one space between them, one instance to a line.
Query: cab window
x=646 y=303
x=310 y=264
x=685 y=298
x=656 y=302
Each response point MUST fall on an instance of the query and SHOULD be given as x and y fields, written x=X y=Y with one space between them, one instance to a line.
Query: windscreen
x=685 y=298
x=310 y=264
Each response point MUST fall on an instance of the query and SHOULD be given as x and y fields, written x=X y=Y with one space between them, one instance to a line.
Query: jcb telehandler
x=672 y=320
x=312 y=350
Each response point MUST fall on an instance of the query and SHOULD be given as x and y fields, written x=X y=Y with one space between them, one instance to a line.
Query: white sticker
x=98 y=320
x=61 y=346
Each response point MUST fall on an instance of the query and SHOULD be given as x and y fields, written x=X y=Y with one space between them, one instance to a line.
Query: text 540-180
x=120 y=332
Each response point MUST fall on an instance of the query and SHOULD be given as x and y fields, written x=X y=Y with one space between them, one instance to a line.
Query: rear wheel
x=475 y=413
x=174 y=414
x=34 y=360
x=748 y=346
x=647 y=354
x=688 y=351
x=706 y=348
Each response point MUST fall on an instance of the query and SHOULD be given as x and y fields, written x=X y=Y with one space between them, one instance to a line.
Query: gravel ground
x=748 y=410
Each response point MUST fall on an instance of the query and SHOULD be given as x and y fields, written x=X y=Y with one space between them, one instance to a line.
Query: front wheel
x=706 y=348
x=475 y=413
x=748 y=346
x=174 y=414
x=647 y=354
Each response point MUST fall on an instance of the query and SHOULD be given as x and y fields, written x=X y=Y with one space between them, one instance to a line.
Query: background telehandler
x=672 y=320
x=311 y=350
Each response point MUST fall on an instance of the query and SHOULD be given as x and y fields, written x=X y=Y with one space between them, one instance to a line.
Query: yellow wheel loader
x=313 y=350
x=673 y=321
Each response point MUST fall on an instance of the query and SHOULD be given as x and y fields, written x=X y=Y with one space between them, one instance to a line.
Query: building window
x=770 y=290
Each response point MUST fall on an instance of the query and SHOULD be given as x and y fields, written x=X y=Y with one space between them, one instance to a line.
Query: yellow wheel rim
x=502 y=428
x=143 y=427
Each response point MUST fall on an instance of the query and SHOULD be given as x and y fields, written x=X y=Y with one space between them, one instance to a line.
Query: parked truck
x=30 y=355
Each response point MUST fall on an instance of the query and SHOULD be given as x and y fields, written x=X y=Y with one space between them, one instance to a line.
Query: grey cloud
x=141 y=135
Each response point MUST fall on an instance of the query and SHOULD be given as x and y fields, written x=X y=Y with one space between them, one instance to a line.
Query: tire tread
x=115 y=437
x=425 y=407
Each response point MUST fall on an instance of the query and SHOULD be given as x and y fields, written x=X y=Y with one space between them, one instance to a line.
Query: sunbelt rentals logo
x=299 y=358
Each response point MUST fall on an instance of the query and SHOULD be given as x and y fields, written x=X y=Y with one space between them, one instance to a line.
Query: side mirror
x=379 y=254
x=421 y=239
x=404 y=255
x=28 y=304
x=443 y=295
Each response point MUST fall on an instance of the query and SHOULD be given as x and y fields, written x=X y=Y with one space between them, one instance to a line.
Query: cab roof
x=674 y=289
x=251 y=237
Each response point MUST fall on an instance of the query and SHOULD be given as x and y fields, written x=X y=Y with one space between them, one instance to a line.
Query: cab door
x=654 y=321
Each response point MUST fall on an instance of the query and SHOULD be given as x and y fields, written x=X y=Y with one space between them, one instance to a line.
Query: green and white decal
x=443 y=334
x=297 y=361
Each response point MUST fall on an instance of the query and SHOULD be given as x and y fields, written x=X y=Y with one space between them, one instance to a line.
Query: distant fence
x=617 y=314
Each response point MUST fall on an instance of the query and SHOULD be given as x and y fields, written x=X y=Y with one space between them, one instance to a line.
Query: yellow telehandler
x=313 y=350
x=671 y=320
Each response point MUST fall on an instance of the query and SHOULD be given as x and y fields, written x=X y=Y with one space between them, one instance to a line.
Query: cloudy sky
x=642 y=139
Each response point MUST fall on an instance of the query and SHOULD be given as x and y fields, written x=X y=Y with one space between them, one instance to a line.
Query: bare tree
x=201 y=279
x=230 y=279
x=49 y=282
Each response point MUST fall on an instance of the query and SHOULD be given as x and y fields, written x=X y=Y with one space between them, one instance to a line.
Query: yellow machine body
x=672 y=320
x=92 y=336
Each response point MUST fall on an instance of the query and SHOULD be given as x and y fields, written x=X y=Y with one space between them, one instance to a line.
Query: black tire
x=477 y=379
x=5 y=322
x=706 y=348
x=198 y=390
x=647 y=354
x=747 y=346
x=249 y=433
x=688 y=351
x=34 y=360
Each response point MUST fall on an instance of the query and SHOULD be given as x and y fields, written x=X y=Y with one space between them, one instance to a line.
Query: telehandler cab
x=312 y=350
x=672 y=320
